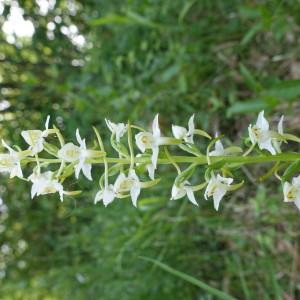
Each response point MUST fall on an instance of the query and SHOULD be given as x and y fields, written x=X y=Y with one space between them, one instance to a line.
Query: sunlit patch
x=45 y=6
x=16 y=27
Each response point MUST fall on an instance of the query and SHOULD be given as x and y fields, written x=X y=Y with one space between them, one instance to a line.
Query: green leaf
x=187 y=6
x=253 y=105
x=188 y=278
x=291 y=137
x=185 y=175
x=249 y=78
x=251 y=33
x=217 y=165
x=128 y=19
x=114 y=170
x=118 y=146
x=68 y=171
x=111 y=19
x=170 y=72
x=148 y=184
x=285 y=90
x=190 y=148
x=291 y=170
x=51 y=149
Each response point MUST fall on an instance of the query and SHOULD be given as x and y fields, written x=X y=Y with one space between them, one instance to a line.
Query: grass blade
x=213 y=291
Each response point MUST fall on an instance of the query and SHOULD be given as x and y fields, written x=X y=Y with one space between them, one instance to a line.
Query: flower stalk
x=124 y=175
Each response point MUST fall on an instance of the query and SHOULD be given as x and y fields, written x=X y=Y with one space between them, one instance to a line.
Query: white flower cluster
x=128 y=166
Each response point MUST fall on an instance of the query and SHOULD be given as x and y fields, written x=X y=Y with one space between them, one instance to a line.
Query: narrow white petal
x=151 y=171
x=47 y=122
x=78 y=169
x=109 y=125
x=34 y=189
x=252 y=135
x=262 y=122
x=134 y=193
x=297 y=202
x=154 y=157
x=86 y=169
x=98 y=197
x=207 y=190
x=155 y=127
x=19 y=170
x=61 y=193
x=218 y=195
x=267 y=145
x=83 y=145
x=191 y=125
x=190 y=195
x=173 y=192
x=277 y=143
x=11 y=150
x=78 y=137
x=280 y=125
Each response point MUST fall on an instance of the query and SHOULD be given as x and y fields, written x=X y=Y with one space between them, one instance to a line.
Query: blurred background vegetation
x=82 y=61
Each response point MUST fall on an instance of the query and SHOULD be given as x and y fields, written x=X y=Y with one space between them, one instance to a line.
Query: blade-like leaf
x=211 y=290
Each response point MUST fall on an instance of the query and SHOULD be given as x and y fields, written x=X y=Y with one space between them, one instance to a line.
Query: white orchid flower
x=69 y=152
x=150 y=140
x=119 y=129
x=107 y=195
x=11 y=163
x=182 y=133
x=219 y=149
x=182 y=190
x=78 y=155
x=291 y=192
x=43 y=184
x=130 y=183
x=261 y=135
x=36 y=138
x=217 y=187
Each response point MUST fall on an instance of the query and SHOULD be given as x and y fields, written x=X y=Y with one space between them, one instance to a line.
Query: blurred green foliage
x=219 y=59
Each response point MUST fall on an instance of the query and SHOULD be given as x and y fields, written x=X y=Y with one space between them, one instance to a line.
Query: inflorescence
x=219 y=163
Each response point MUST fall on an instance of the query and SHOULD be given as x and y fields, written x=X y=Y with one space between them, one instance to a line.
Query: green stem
x=200 y=160
x=62 y=143
x=203 y=161
x=130 y=145
x=104 y=159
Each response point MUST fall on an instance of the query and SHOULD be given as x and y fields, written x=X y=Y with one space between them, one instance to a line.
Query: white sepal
x=182 y=190
x=217 y=188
